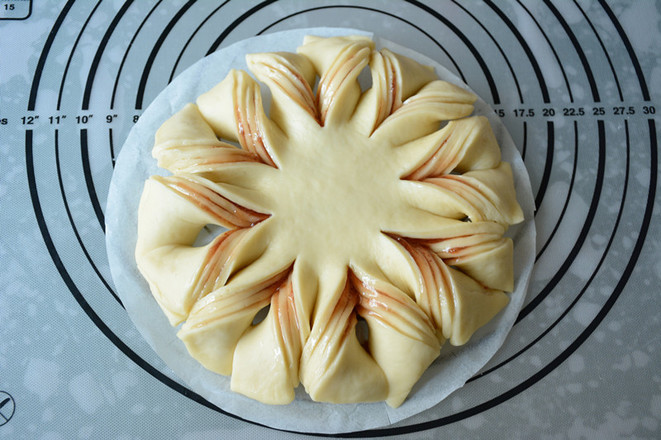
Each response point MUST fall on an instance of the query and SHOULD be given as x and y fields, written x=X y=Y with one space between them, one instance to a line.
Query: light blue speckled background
x=67 y=376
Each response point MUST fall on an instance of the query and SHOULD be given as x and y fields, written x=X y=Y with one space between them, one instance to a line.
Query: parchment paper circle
x=135 y=164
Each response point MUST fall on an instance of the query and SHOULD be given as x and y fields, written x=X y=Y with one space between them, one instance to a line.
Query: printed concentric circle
x=581 y=177
x=135 y=165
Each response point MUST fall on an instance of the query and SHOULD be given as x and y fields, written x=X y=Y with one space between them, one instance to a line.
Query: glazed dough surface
x=367 y=225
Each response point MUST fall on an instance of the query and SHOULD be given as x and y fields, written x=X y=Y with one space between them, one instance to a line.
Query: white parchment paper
x=135 y=164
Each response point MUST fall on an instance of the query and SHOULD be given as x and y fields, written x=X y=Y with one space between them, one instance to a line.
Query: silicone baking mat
x=575 y=82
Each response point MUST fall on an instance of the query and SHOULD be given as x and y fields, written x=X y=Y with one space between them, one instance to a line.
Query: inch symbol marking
x=29 y=120
x=55 y=120
x=83 y=119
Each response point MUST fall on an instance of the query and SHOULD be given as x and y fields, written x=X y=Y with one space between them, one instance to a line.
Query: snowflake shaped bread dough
x=371 y=232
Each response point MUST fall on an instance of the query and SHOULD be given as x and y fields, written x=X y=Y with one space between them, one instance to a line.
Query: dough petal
x=421 y=114
x=334 y=366
x=266 y=358
x=483 y=194
x=234 y=111
x=457 y=304
x=402 y=339
x=217 y=322
x=394 y=79
x=185 y=143
x=290 y=77
x=463 y=145
x=338 y=61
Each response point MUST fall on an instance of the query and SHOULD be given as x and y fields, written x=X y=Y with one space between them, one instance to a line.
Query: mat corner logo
x=15 y=9
x=7 y=407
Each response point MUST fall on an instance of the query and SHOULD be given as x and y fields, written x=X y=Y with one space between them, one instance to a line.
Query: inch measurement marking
x=60 y=119
x=29 y=120
x=83 y=119
x=55 y=120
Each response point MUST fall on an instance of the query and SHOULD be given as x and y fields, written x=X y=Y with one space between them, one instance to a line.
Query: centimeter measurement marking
x=522 y=112
x=575 y=111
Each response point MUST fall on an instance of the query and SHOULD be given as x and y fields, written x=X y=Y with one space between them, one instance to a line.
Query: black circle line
x=467 y=42
x=197 y=29
x=495 y=95
x=570 y=189
x=89 y=180
x=581 y=293
x=452 y=27
x=500 y=49
x=71 y=53
x=548 y=165
x=555 y=53
x=526 y=49
x=623 y=280
x=603 y=48
x=413 y=25
x=582 y=337
x=594 y=272
x=387 y=431
x=157 y=47
x=58 y=23
x=99 y=52
x=524 y=147
x=627 y=44
x=126 y=52
x=235 y=23
x=53 y=251
x=592 y=211
x=578 y=48
x=111 y=145
x=91 y=190
x=82 y=302
x=9 y=398
x=32 y=100
x=65 y=201
x=549 y=123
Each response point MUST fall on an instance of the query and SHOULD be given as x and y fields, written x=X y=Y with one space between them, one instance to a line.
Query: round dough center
x=334 y=191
